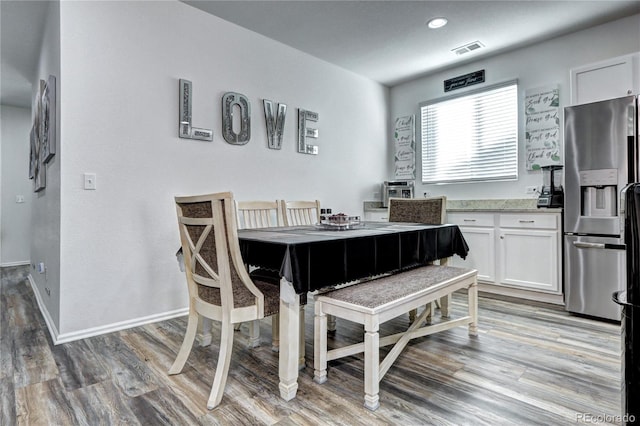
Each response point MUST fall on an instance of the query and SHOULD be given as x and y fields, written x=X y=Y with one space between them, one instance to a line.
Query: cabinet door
x=481 y=255
x=529 y=259
x=613 y=78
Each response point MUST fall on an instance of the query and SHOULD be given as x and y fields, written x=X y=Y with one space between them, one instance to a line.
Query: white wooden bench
x=374 y=302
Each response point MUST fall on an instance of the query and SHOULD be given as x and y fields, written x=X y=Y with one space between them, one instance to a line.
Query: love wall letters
x=237 y=103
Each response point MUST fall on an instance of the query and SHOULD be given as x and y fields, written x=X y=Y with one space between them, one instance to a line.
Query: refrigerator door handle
x=601 y=246
x=620 y=297
x=580 y=244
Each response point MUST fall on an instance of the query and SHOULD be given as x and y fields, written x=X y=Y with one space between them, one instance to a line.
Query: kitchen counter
x=526 y=205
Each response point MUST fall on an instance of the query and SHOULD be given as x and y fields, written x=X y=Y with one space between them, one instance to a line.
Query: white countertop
x=526 y=205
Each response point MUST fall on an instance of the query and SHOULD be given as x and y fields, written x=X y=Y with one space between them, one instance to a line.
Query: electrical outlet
x=531 y=190
x=426 y=194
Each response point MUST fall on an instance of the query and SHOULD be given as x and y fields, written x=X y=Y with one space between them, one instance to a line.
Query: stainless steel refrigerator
x=601 y=155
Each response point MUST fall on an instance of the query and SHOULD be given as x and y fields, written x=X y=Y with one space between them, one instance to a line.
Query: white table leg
x=275 y=333
x=301 y=340
x=289 y=340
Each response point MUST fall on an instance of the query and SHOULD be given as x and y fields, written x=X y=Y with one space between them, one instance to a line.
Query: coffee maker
x=552 y=194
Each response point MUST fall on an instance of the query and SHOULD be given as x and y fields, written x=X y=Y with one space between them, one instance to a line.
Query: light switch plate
x=89 y=181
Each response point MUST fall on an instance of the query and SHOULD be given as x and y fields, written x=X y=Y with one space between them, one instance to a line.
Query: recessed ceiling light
x=437 y=23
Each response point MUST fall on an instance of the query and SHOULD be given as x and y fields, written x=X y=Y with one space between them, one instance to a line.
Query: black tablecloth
x=311 y=258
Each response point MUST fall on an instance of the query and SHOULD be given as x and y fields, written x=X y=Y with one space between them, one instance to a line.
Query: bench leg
x=371 y=367
x=331 y=324
x=412 y=315
x=473 y=308
x=319 y=345
x=445 y=303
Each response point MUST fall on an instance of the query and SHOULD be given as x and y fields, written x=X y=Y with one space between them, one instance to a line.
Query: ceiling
x=21 y=30
x=386 y=41
x=389 y=42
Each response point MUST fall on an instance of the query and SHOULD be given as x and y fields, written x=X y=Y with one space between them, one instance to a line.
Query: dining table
x=310 y=258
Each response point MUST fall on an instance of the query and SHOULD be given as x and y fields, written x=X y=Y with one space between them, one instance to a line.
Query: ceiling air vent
x=467 y=48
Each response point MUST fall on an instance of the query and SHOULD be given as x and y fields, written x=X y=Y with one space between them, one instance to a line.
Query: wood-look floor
x=531 y=364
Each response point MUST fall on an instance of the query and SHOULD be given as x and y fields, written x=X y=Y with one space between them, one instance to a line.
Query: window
x=472 y=137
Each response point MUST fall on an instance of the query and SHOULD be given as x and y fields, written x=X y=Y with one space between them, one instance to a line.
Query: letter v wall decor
x=275 y=123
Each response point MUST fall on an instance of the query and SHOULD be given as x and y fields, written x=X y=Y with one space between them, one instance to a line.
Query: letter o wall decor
x=229 y=101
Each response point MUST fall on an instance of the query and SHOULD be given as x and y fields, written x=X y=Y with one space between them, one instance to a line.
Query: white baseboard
x=19 y=263
x=53 y=331
x=123 y=325
x=556 y=299
x=104 y=329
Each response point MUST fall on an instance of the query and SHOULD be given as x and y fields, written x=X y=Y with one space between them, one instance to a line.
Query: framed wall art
x=33 y=151
x=405 y=148
x=36 y=165
x=542 y=127
x=48 y=120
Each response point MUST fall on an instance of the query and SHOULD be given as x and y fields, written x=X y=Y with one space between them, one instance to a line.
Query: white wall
x=120 y=65
x=16 y=217
x=46 y=209
x=535 y=66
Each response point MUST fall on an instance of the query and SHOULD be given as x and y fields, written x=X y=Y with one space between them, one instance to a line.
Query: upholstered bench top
x=378 y=292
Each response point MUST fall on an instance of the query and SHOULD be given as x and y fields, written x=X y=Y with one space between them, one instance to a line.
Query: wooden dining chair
x=218 y=283
x=261 y=214
x=301 y=212
x=430 y=210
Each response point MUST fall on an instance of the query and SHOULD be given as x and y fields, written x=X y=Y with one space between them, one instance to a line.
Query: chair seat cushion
x=271 y=297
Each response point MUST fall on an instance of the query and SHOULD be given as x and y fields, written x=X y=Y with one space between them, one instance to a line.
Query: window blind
x=472 y=137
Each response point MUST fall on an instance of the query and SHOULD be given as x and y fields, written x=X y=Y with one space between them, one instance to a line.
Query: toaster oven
x=396 y=189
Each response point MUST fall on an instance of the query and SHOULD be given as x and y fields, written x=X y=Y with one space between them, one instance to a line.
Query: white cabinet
x=529 y=252
x=519 y=251
x=613 y=78
x=478 y=231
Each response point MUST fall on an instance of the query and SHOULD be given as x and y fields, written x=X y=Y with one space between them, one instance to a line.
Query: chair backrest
x=431 y=210
x=259 y=214
x=213 y=263
x=301 y=212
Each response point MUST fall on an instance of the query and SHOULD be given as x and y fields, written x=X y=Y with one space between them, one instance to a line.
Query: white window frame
x=470 y=153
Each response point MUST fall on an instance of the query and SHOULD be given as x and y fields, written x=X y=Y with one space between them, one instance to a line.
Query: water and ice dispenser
x=598 y=190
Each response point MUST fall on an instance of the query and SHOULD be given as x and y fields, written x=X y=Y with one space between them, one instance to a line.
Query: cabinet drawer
x=471 y=219
x=529 y=221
